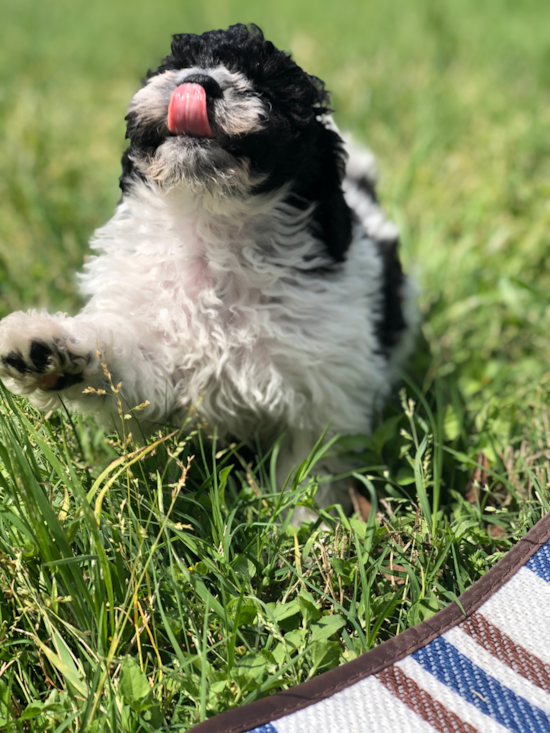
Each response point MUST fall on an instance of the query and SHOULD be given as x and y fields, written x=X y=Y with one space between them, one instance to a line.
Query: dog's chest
x=183 y=272
x=226 y=304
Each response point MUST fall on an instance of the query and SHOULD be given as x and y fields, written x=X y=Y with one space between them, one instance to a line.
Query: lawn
x=147 y=588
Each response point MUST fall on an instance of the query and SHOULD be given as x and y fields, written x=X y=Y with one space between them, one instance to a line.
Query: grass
x=150 y=587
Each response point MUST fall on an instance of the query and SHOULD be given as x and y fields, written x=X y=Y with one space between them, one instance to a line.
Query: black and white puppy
x=248 y=271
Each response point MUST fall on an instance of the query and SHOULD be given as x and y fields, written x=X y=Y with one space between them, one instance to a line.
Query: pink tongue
x=187 y=111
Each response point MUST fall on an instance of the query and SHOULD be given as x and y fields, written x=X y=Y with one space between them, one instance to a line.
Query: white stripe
x=449 y=698
x=496 y=668
x=366 y=707
x=521 y=609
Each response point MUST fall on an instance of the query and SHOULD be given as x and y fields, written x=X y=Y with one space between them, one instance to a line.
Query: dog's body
x=243 y=274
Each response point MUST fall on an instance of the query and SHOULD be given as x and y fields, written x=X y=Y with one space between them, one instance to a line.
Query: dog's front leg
x=45 y=357
x=296 y=449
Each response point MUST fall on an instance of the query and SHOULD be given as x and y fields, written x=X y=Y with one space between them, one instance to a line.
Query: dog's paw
x=37 y=352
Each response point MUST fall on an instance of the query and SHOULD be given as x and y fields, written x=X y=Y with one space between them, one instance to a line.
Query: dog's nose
x=210 y=85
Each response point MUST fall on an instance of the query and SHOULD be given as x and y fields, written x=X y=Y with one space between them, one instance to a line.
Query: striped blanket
x=483 y=665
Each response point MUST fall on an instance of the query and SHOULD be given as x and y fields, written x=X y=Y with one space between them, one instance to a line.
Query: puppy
x=248 y=272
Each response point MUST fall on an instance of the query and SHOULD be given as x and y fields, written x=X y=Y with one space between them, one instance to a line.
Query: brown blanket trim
x=290 y=701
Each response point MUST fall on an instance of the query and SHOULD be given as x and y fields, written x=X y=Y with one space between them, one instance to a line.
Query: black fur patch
x=368 y=187
x=314 y=163
x=15 y=360
x=392 y=321
x=332 y=214
x=40 y=356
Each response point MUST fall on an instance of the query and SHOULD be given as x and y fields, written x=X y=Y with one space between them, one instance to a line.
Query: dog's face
x=230 y=114
x=224 y=109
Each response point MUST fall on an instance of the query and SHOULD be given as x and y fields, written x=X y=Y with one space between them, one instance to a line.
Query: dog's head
x=228 y=113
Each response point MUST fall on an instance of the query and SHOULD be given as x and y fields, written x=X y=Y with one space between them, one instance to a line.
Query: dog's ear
x=332 y=217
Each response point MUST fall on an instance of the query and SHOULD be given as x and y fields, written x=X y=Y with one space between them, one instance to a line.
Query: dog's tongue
x=187 y=111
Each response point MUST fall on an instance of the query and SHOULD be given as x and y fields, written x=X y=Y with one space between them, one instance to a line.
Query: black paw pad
x=40 y=356
x=15 y=360
x=67 y=380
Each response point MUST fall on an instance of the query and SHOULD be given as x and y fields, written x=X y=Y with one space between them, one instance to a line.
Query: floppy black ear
x=332 y=217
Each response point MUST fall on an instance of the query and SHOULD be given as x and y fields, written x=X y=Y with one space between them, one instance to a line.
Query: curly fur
x=246 y=276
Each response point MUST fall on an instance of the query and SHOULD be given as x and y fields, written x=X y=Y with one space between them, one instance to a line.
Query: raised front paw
x=37 y=352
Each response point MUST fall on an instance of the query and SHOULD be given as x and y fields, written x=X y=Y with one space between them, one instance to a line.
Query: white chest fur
x=236 y=299
x=229 y=308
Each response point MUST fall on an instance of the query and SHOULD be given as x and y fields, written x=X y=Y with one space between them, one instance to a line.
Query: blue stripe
x=540 y=562
x=456 y=671
x=264 y=729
